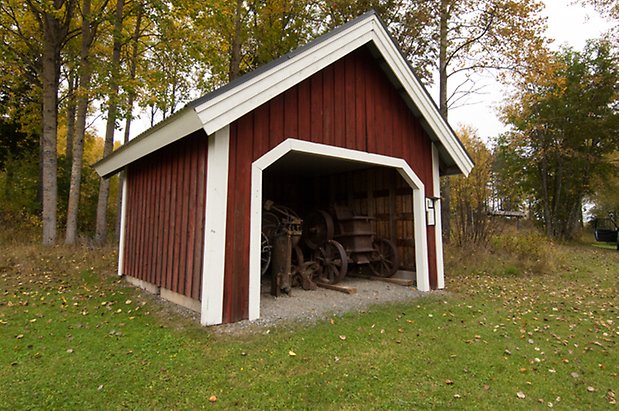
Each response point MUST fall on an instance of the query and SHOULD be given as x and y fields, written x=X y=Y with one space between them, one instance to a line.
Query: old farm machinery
x=321 y=248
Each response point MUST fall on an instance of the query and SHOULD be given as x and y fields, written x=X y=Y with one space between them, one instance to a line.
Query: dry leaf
x=292 y=353
x=342 y=337
x=521 y=395
x=449 y=382
x=212 y=398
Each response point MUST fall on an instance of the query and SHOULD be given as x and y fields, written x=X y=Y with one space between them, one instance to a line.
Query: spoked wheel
x=333 y=262
x=265 y=254
x=384 y=261
x=317 y=229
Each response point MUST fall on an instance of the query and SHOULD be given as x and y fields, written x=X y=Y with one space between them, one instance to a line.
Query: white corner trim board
x=438 y=227
x=123 y=229
x=215 y=227
x=421 y=255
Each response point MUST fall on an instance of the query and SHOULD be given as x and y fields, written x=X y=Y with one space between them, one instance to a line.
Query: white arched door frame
x=294 y=145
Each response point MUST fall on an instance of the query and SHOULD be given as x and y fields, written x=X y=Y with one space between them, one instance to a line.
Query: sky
x=567 y=24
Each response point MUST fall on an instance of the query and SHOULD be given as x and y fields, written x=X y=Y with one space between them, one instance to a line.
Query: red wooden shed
x=340 y=120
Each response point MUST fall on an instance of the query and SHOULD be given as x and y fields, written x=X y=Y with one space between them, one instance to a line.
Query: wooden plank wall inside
x=377 y=192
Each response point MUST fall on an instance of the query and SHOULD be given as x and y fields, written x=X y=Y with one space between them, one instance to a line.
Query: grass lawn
x=73 y=336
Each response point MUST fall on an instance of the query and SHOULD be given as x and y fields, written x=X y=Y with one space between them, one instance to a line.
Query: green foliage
x=565 y=123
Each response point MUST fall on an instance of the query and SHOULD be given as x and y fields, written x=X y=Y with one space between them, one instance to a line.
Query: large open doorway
x=308 y=176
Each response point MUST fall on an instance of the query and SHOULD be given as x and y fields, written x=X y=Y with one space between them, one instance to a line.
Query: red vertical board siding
x=167 y=181
x=276 y=123
x=328 y=106
x=172 y=226
x=349 y=111
x=316 y=105
x=191 y=220
x=178 y=223
x=236 y=285
x=196 y=289
x=166 y=195
x=291 y=107
x=261 y=131
x=349 y=104
x=360 y=130
x=340 y=104
x=305 y=110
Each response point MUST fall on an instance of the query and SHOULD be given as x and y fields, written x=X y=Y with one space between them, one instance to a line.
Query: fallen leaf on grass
x=590 y=389
x=292 y=353
x=212 y=398
x=449 y=382
x=342 y=337
x=521 y=395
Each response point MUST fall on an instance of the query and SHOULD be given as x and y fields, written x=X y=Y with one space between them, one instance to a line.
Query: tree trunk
x=51 y=58
x=54 y=20
x=545 y=197
x=235 y=50
x=104 y=184
x=446 y=193
x=80 y=126
x=129 y=116
x=73 y=82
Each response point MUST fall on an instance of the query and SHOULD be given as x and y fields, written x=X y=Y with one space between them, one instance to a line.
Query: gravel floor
x=310 y=306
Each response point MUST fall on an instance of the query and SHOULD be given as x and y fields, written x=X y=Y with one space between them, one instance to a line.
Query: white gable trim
x=258 y=166
x=224 y=108
x=247 y=96
x=238 y=101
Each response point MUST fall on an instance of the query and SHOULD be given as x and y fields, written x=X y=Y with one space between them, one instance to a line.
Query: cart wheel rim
x=333 y=261
x=385 y=260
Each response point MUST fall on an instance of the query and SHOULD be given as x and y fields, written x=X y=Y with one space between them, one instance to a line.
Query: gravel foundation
x=311 y=306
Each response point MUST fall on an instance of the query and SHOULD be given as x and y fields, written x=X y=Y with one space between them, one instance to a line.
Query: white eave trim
x=180 y=125
x=223 y=109
x=229 y=106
